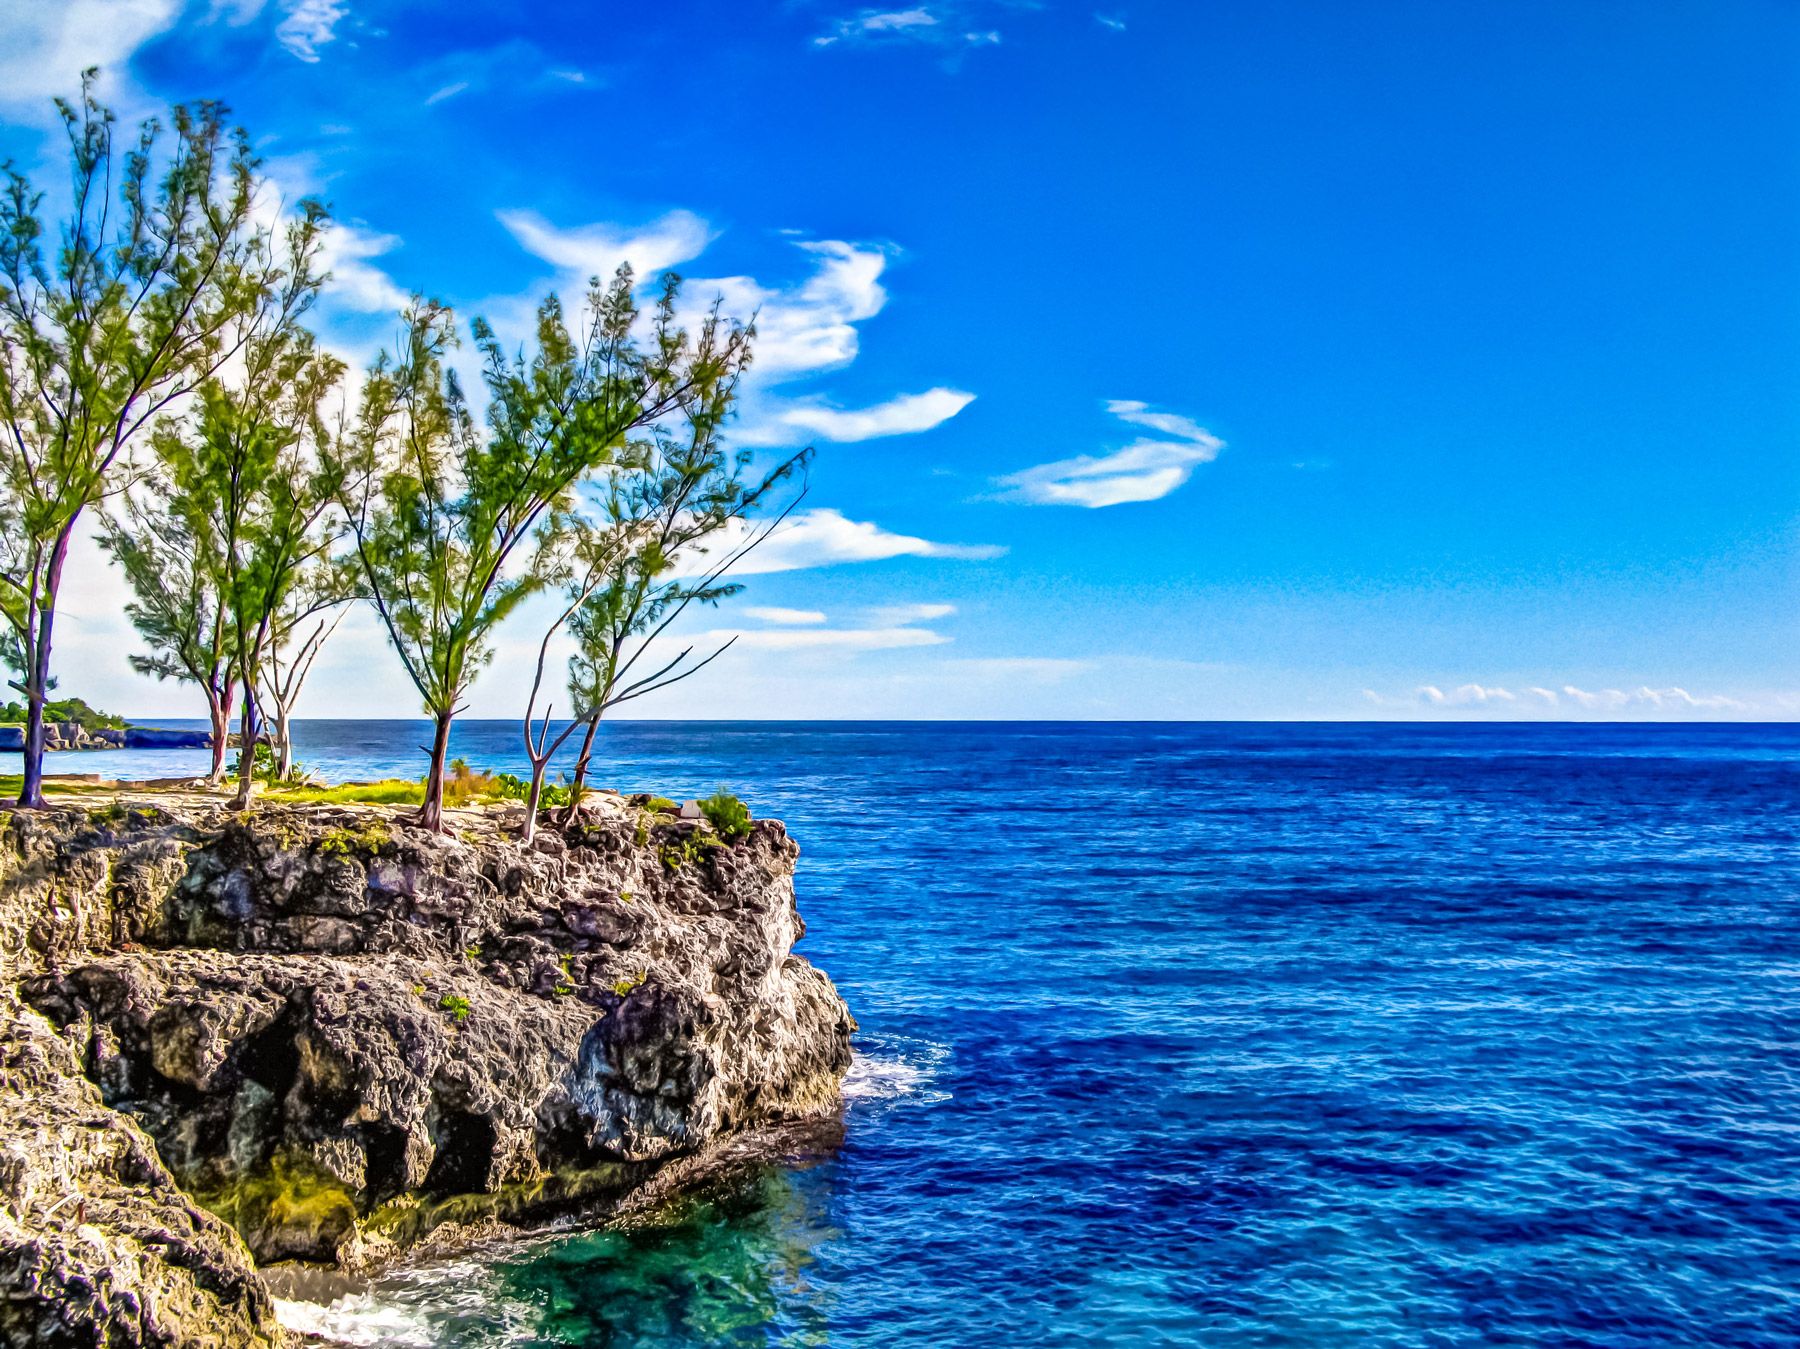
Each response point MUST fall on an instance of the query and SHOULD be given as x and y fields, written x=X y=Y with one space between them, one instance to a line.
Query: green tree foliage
x=139 y=300
x=250 y=474
x=179 y=608
x=681 y=505
x=449 y=520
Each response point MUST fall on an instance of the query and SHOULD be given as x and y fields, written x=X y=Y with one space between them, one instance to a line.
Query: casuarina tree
x=447 y=517
x=683 y=508
x=139 y=299
x=178 y=606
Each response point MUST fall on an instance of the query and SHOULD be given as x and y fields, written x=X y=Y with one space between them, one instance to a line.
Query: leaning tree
x=140 y=299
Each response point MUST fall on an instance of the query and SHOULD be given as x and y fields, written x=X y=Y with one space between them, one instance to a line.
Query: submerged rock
x=338 y=1031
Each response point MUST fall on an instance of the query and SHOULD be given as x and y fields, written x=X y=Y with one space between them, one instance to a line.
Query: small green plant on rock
x=457 y=1005
x=684 y=849
x=565 y=985
x=624 y=986
x=729 y=817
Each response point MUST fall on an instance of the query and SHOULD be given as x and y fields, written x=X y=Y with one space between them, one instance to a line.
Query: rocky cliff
x=316 y=1034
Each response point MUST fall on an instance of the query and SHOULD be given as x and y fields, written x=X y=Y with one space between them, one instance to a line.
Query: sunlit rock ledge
x=317 y=1034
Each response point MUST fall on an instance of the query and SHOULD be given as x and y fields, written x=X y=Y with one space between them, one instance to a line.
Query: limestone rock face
x=97 y=1245
x=336 y=1031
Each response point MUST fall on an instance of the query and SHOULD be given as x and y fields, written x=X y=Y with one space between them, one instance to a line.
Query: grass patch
x=345 y=842
x=387 y=792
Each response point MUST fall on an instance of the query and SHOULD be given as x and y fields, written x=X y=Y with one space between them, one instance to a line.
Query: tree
x=252 y=469
x=682 y=506
x=179 y=609
x=310 y=615
x=141 y=301
x=448 y=522
x=260 y=461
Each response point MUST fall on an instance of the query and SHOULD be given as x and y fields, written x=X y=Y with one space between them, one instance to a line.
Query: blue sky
x=1163 y=360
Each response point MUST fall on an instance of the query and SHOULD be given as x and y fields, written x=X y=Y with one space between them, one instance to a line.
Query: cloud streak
x=1565 y=699
x=1147 y=469
x=941 y=25
x=825 y=538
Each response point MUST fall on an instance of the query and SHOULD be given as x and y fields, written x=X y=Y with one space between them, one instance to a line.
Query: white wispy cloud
x=310 y=25
x=1147 y=469
x=585 y=251
x=829 y=639
x=823 y=538
x=763 y=613
x=897 y=615
x=803 y=328
x=1112 y=21
x=517 y=67
x=46 y=44
x=1663 y=699
x=348 y=251
x=1465 y=695
x=888 y=627
x=810 y=326
x=781 y=423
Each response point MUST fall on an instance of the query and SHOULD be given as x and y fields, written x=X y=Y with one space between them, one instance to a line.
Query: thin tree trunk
x=431 y=813
x=284 y=744
x=31 y=787
x=37 y=682
x=246 y=754
x=218 y=711
x=581 y=763
x=531 y=799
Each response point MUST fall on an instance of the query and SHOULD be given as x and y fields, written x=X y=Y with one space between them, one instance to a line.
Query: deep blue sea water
x=1228 y=1035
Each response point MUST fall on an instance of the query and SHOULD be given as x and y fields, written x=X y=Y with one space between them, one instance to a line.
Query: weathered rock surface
x=338 y=1031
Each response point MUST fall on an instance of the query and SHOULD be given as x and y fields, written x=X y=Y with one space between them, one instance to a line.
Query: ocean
x=1222 y=1034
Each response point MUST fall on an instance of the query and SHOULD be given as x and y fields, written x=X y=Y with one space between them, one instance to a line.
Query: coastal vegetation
x=157 y=368
x=63 y=712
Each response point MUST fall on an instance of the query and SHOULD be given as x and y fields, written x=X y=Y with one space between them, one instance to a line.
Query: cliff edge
x=316 y=1034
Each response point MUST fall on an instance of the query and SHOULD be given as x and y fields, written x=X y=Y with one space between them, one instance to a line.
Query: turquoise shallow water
x=1229 y=1035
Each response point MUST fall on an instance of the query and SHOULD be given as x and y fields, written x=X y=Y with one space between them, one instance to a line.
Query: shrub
x=465 y=784
x=262 y=764
x=729 y=817
x=511 y=787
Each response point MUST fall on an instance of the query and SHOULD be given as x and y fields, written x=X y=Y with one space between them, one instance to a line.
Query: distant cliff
x=68 y=735
x=339 y=1032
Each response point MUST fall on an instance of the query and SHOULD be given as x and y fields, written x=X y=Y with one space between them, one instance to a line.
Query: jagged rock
x=97 y=1245
x=332 y=1025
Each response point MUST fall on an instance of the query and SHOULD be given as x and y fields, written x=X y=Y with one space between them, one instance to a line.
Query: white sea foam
x=357 y=1319
x=896 y=1070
